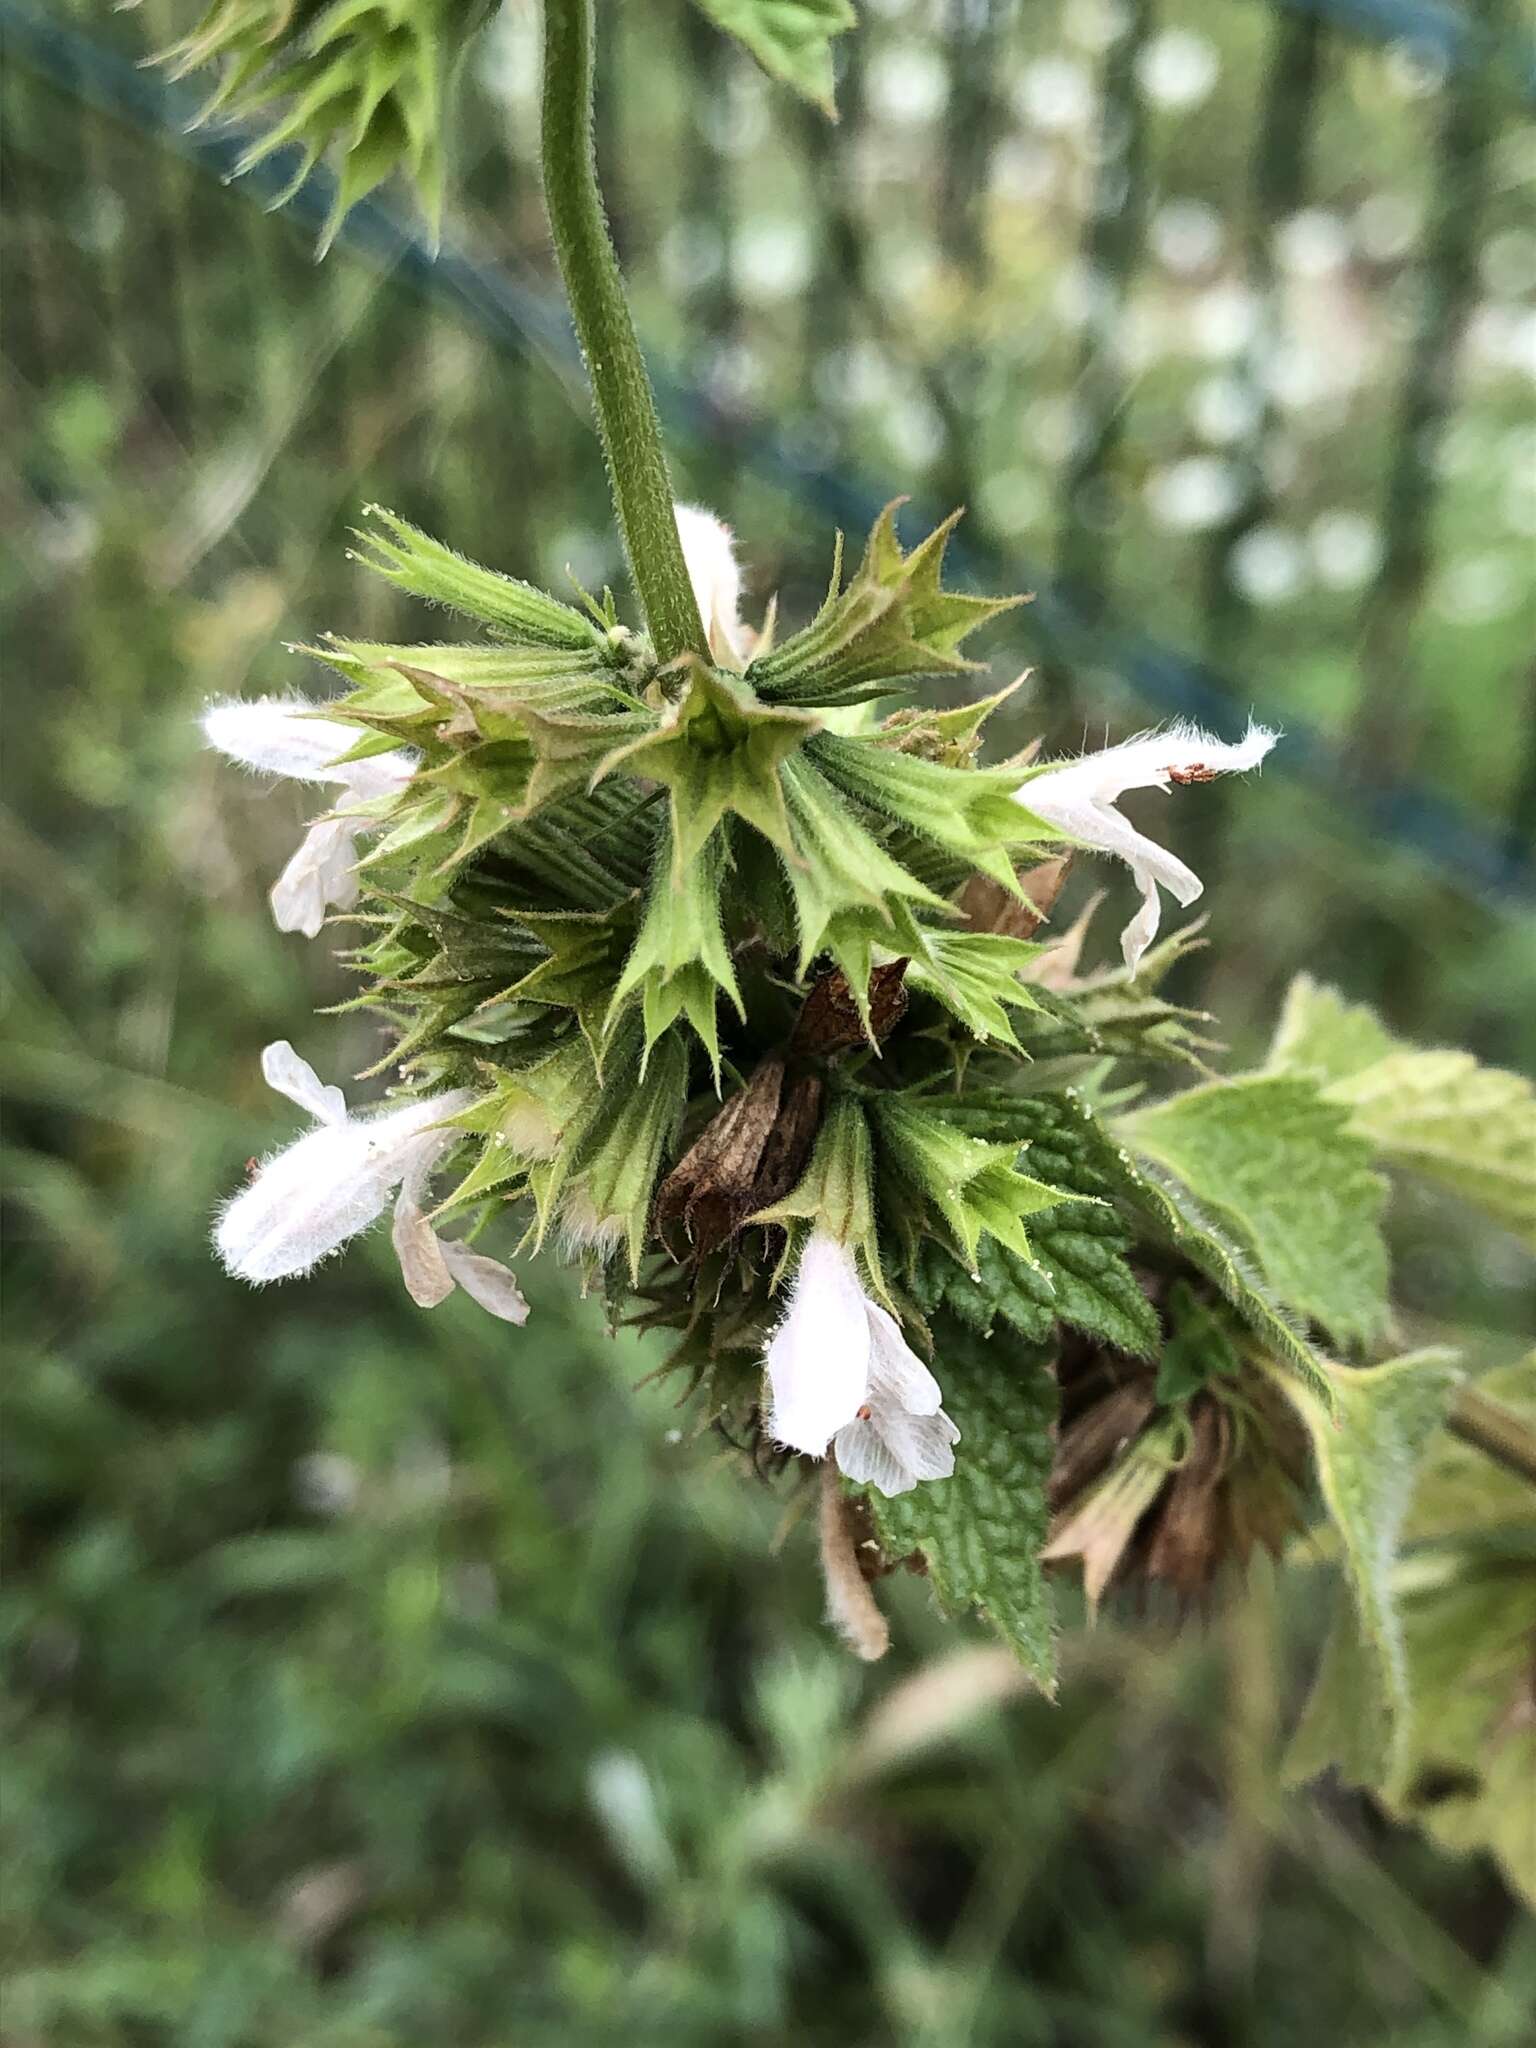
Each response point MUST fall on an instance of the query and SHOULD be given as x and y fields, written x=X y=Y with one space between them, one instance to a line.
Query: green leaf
x=1367 y=1447
x=1441 y=1115
x=1469 y=1778
x=1438 y=1114
x=1322 y=1035
x=791 y=39
x=1280 y=1166
x=1070 y=1147
x=981 y=1531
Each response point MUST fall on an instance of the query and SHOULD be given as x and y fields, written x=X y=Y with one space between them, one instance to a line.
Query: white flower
x=709 y=549
x=841 y=1371
x=307 y=1200
x=1080 y=797
x=432 y=1266
x=276 y=736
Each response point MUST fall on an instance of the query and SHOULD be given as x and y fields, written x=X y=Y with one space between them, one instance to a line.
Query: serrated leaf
x=981 y=1531
x=1321 y=1034
x=1367 y=1451
x=1435 y=1113
x=1280 y=1166
x=1441 y=1115
x=791 y=39
x=1070 y=1147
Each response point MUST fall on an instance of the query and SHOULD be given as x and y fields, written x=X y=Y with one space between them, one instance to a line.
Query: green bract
x=358 y=79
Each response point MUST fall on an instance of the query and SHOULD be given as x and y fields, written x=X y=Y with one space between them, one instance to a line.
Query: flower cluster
x=687 y=964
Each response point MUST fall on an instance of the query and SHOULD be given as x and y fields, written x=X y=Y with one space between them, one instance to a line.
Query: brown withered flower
x=1167 y=1495
x=750 y=1154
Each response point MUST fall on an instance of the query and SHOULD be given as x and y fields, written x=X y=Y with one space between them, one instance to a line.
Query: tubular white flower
x=839 y=1368
x=309 y=1199
x=278 y=736
x=1079 y=798
x=709 y=549
x=901 y=1434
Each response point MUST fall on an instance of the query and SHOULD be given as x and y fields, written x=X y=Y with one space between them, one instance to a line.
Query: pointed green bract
x=975 y=975
x=358 y=80
x=719 y=752
x=894 y=623
x=680 y=958
x=791 y=39
x=836 y=866
x=622 y=1156
x=413 y=561
x=969 y=1182
x=968 y=811
x=836 y=1191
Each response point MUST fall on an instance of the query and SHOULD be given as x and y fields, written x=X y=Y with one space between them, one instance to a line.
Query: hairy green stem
x=1494 y=1430
x=621 y=390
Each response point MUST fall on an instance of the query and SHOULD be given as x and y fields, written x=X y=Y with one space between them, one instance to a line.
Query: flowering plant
x=716 y=959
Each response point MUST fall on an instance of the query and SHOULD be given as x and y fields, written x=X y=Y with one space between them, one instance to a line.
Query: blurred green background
x=380 y=1679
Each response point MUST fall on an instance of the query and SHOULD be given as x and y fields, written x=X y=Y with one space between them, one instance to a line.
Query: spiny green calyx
x=359 y=80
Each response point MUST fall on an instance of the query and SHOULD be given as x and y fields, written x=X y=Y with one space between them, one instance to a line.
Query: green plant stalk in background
x=621 y=390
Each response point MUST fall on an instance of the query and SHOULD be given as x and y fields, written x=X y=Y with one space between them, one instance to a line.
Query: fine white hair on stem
x=1079 y=798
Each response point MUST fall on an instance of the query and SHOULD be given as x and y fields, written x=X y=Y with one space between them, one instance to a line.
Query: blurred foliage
x=384 y=1678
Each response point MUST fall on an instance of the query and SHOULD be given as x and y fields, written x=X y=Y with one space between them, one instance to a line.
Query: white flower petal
x=307 y=1200
x=818 y=1360
x=1078 y=797
x=487 y=1281
x=276 y=736
x=420 y=1251
x=322 y=873
x=303 y=1204
x=710 y=553
x=896 y=1373
x=284 y=1071
x=865 y=1458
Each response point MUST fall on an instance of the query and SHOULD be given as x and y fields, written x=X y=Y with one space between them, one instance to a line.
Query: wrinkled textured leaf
x=1280 y=1166
x=1367 y=1454
x=982 y=1530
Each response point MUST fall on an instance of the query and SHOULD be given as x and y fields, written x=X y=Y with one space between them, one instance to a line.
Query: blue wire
x=522 y=319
